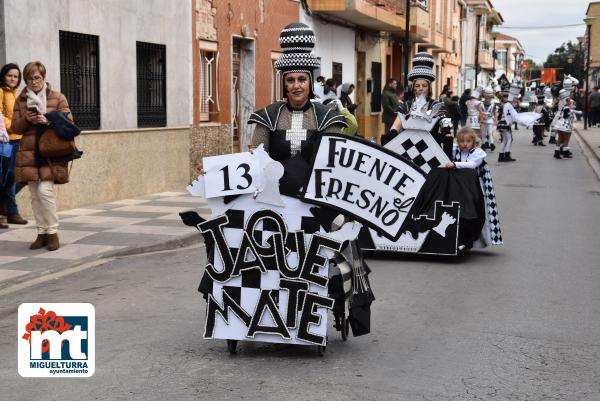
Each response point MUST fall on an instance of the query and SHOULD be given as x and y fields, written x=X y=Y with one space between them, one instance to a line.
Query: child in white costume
x=473 y=115
x=489 y=119
x=468 y=155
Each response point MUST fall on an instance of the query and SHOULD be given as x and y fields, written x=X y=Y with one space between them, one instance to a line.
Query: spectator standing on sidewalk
x=594 y=101
x=10 y=79
x=462 y=103
x=31 y=105
x=345 y=92
x=389 y=104
x=451 y=103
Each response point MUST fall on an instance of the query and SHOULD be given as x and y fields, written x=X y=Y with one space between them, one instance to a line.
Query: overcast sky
x=534 y=13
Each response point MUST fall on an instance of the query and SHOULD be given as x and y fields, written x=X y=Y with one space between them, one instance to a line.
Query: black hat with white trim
x=422 y=67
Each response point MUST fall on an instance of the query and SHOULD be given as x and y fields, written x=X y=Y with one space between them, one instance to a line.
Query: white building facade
x=126 y=69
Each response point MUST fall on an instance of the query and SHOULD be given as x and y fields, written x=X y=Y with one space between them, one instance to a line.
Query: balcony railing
x=395 y=6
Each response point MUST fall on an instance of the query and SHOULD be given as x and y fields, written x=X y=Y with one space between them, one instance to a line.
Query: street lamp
x=494 y=35
x=588 y=22
x=515 y=55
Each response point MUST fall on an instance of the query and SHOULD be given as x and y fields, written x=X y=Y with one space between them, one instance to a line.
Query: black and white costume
x=290 y=136
x=542 y=123
x=564 y=124
x=489 y=109
x=423 y=138
x=505 y=122
x=475 y=159
x=473 y=109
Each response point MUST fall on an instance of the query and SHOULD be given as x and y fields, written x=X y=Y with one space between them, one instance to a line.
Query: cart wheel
x=232 y=346
x=344 y=327
x=321 y=349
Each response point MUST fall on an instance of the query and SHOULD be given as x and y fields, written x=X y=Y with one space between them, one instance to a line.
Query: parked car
x=528 y=101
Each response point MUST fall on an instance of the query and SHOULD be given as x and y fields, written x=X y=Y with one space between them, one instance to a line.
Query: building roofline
x=589 y=5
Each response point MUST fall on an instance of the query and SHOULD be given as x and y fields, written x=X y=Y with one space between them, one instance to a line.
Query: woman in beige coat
x=34 y=101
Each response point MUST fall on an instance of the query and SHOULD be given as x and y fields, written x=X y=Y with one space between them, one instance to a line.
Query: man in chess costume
x=290 y=129
x=508 y=117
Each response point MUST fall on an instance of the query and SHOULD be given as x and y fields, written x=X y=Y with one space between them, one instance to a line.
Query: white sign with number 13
x=231 y=174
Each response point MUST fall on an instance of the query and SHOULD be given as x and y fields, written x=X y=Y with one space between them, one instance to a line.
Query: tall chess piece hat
x=297 y=41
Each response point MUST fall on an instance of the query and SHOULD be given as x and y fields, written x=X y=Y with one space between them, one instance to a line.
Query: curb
x=592 y=157
x=181 y=242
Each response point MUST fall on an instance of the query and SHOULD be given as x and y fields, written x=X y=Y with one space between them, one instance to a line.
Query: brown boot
x=40 y=242
x=53 y=242
x=16 y=219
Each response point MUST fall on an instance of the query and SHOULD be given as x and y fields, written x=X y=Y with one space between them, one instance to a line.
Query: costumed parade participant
x=468 y=156
x=508 y=117
x=473 y=110
x=403 y=135
x=489 y=119
x=541 y=124
x=303 y=259
x=569 y=85
x=449 y=213
x=564 y=127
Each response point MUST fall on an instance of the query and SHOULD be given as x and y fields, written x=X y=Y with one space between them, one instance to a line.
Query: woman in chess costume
x=290 y=129
x=422 y=134
x=433 y=129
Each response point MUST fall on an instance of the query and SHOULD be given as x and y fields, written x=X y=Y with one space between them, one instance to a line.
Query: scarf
x=38 y=100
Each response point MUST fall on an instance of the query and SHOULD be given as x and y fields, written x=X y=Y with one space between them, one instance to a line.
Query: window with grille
x=80 y=77
x=151 y=85
x=276 y=83
x=208 y=86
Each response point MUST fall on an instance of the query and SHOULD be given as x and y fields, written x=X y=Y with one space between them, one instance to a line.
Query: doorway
x=242 y=92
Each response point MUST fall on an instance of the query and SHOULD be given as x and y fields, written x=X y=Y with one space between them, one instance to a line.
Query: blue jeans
x=10 y=190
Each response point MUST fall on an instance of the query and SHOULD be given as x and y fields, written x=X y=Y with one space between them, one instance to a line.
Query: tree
x=567 y=59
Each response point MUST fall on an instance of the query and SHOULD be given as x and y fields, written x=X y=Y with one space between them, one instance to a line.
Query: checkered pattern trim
x=297 y=39
x=420 y=148
x=491 y=205
x=297 y=61
x=421 y=73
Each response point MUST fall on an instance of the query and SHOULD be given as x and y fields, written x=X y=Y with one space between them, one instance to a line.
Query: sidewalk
x=590 y=141
x=120 y=228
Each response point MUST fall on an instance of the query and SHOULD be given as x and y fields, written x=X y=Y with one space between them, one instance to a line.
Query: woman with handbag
x=29 y=118
x=10 y=79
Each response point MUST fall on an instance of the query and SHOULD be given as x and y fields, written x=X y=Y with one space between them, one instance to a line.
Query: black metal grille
x=80 y=77
x=151 y=85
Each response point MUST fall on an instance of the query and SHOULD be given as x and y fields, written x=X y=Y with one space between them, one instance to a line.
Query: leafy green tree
x=569 y=58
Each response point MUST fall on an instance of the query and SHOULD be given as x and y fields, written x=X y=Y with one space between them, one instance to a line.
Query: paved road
x=518 y=322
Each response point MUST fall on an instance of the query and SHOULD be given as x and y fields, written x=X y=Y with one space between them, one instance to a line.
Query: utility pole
x=406 y=46
x=588 y=22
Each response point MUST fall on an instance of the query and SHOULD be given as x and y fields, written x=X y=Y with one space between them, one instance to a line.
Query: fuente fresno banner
x=372 y=184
